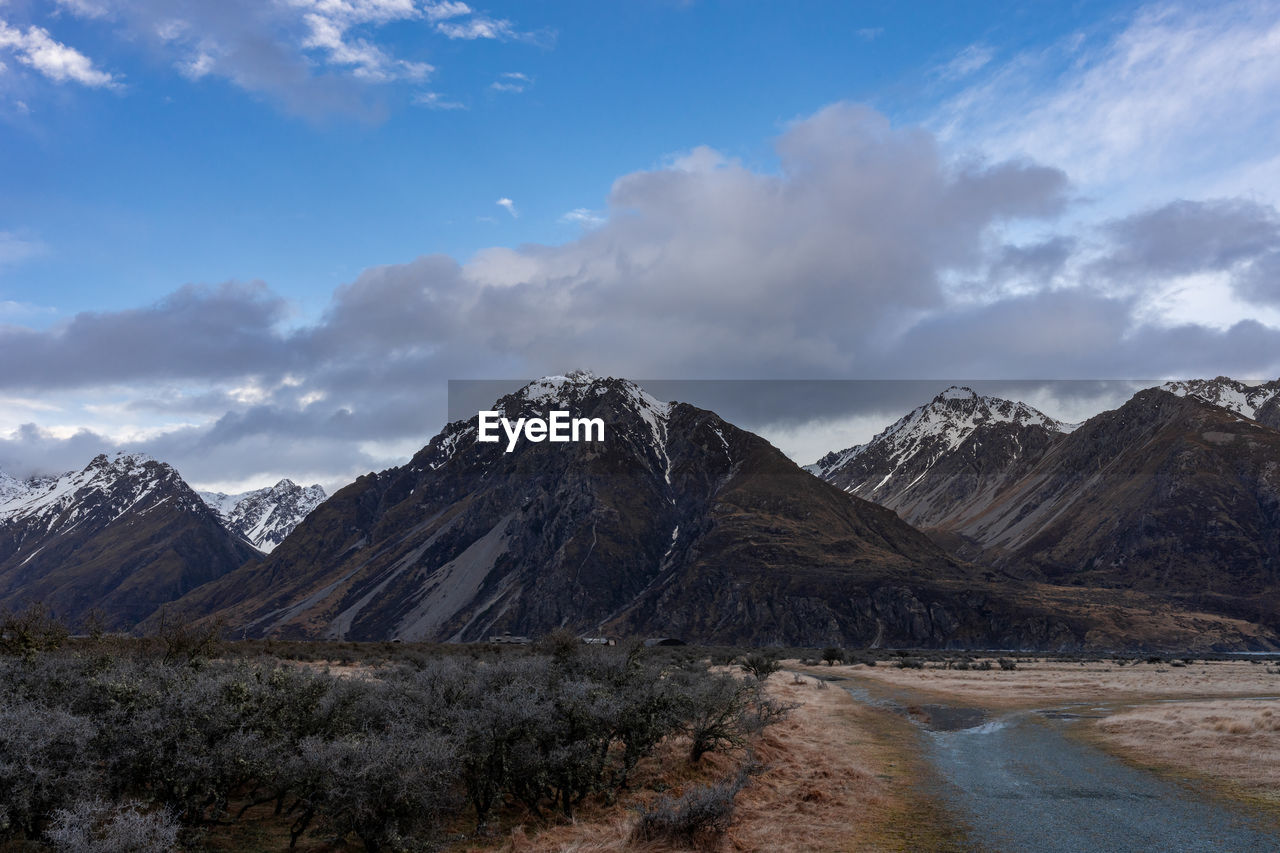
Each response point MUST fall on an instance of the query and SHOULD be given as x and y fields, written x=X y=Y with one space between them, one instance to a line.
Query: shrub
x=701 y=815
x=31 y=631
x=760 y=665
x=832 y=655
x=910 y=663
x=710 y=707
x=44 y=766
x=386 y=788
x=1007 y=664
x=94 y=826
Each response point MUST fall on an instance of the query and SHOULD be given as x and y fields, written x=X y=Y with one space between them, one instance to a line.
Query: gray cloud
x=196 y=332
x=841 y=263
x=1185 y=237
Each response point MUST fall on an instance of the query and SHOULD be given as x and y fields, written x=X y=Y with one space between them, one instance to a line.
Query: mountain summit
x=264 y=517
x=942 y=457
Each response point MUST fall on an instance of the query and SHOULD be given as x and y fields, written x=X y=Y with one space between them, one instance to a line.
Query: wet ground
x=1022 y=783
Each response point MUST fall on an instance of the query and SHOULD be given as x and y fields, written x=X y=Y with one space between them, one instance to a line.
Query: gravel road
x=1022 y=784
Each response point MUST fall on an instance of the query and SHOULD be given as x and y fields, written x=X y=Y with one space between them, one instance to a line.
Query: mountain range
x=1176 y=493
x=680 y=524
x=126 y=535
x=971 y=521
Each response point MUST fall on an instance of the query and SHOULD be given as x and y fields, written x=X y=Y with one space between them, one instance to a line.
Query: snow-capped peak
x=117 y=483
x=573 y=388
x=1239 y=397
x=956 y=392
x=940 y=426
x=265 y=516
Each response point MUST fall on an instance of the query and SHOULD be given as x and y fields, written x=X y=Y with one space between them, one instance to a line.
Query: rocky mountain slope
x=1166 y=493
x=946 y=458
x=264 y=517
x=677 y=524
x=1261 y=402
x=1175 y=494
x=123 y=536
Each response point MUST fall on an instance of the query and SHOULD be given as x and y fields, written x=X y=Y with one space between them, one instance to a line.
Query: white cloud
x=583 y=216
x=36 y=49
x=869 y=33
x=85 y=8
x=314 y=57
x=509 y=206
x=478 y=27
x=437 y=101
x=969 y=60
x=445 y=10
x=15 y=247
x=328 y=33
x=511 y=81
x=1176 y=100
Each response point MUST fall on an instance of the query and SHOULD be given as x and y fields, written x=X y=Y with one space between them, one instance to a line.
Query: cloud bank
x=871 y=251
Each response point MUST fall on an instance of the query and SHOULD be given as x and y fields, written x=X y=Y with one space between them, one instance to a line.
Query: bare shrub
x=32 y=631
x=94 y=826
x=760 y=665
x=701 y=815
x=43 y=765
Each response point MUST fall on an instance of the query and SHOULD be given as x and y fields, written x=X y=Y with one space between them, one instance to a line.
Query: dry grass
x=1039 y=683
x=837 y=776
x=1234 y=741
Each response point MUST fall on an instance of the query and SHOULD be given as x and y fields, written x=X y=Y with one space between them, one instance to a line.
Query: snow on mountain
x=265 y=516
x=123 y=536
x=574 y=392
x=1239 y=397
x=115 y=483
x=936 y=428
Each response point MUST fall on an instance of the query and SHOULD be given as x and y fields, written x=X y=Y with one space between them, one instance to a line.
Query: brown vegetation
x=1038 y=683
x=834 y=775
x=1234 y=741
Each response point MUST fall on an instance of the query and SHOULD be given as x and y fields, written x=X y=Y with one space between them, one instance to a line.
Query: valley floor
x=873 y=759
x=838 y=776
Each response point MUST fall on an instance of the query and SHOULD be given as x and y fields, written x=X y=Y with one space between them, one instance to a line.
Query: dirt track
x=1021 y=783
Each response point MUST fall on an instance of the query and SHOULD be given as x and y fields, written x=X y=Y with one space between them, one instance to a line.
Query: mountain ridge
x=121 y=537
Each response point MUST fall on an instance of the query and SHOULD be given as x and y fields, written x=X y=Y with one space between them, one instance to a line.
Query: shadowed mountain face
x=1166 y=493
x=122 y=537
x=1176 y=494
x=678 y=523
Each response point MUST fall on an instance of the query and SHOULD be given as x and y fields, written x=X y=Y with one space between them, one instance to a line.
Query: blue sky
x=256 y=238
x=156 y=180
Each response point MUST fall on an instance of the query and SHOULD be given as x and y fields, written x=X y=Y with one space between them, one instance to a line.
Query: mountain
x=1166 y=493
x=122 y=536
x=1240 y=397
x=1175 y=494
x=944 y=459
x=676 y=524
x=264 y=517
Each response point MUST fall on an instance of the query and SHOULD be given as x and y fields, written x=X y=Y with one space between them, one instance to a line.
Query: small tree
x=31 y=631
x=832 y=655
x=760 y=665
